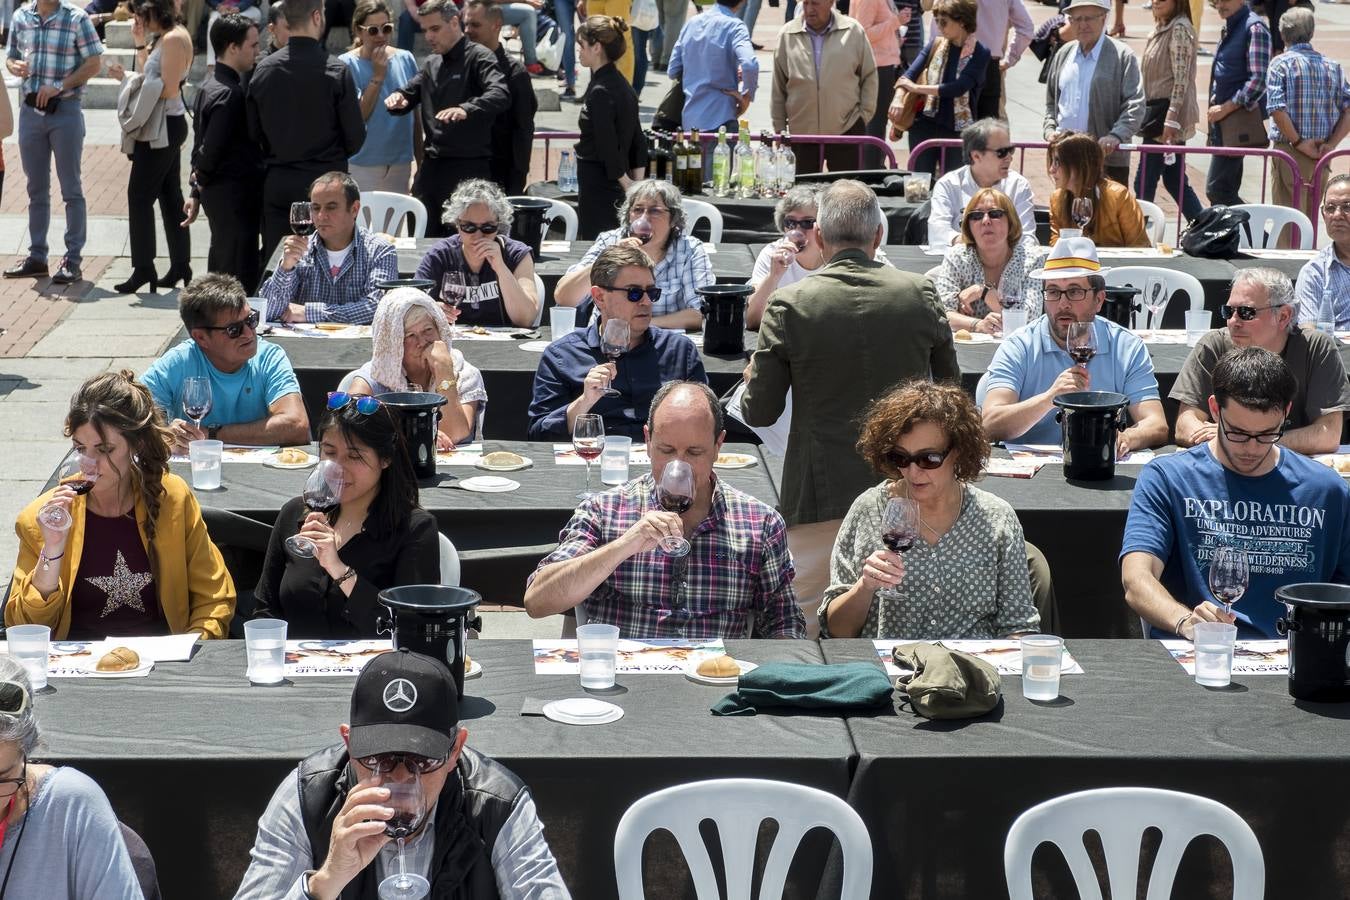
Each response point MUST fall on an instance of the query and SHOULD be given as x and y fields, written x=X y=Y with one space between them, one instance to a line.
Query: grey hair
x=664 y=191
x=976 y=135
x=1335 y=181
x=23 y=728
x=1279 y=289
x=478 y=190
x=801 y=197
x=1297 y=25
x=697 y=387
x=848 y=215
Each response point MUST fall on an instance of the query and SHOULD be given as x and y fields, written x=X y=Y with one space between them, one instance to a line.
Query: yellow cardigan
x=1119 y=221
x=195 y=590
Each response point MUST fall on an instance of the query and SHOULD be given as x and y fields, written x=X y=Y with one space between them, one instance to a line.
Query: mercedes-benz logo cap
x=404 y=702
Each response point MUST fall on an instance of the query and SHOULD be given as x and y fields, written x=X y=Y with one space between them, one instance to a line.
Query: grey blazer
x=1115 y=101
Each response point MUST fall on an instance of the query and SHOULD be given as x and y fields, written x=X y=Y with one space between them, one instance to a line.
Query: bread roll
x=503 y=458
x=468 y=663
x=719 y=667
x=292 y=456
x=119 y=659
x=962 y=335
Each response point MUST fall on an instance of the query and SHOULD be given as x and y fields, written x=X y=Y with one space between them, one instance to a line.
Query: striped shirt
x=53 y=48
x=1311 y=287
x=347 y=295
x=1311 y=90
x=684 y=269
x=735 y=582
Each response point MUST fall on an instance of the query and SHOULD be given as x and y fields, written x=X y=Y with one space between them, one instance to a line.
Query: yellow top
x=1119 y=222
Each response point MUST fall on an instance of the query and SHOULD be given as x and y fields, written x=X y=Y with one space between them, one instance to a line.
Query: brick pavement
x=104 y=176
x=29 y=308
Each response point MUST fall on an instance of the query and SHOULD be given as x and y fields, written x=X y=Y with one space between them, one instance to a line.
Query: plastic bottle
x=721 y=164
x=567 y=173
x=766 y=173
x=1326 y=313
x=787 y=164
x=745 y=163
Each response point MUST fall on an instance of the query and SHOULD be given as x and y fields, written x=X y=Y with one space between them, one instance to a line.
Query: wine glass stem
x=402 y=872
x=588 y=476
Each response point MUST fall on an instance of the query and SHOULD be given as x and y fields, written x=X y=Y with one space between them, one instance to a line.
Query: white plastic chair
x=738 y=806
x=1276 y=218
x=696 y=211
x=1154 y=220
x=1120 y=816
x=449 y=562
x=1172 y=281
x=386 y=212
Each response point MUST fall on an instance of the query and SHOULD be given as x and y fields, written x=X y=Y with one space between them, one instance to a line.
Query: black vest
x=478 y=798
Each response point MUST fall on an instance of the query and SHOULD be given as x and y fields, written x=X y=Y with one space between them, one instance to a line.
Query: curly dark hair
x=947 y=406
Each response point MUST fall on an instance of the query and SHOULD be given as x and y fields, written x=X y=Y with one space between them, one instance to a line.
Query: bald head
x=680 y=403
x=685 y=423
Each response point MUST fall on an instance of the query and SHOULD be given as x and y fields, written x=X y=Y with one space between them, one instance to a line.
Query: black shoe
x=139 y=278
x=67 y=273
x=28 y=268
x=755 y=46
x=174 y=276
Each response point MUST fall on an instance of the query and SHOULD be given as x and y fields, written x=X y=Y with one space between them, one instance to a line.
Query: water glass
x=265 y=640
x=1013 y=319
x=598 y=647
x=205 y=458
x=1042 y=655
x=614 y=459
x=28 y=645
x=562 y=320
x=1214 y=653
x=259 y=306
x=1197 y=324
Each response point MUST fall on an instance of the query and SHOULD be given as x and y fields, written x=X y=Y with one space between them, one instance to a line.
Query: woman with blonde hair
x=987 y=271
x=135 y=558
x=1077 y=168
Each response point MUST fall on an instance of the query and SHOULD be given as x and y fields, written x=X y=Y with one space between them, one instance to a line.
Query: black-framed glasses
x=1330 y=209
x=929 y=459
x=634 y=294
x=1238 y=436
x=14 y=698
x=373 y=30
x=472 y=228
x=795 y=224
x=234 y=329
x=977 y=215
x=385 y=763
x=1245 y=313
x=650 y=212
x=364 y=403
x=1074 y=294
x=17 y=782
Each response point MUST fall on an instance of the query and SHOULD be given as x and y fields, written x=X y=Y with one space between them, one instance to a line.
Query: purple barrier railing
x=1322 y=168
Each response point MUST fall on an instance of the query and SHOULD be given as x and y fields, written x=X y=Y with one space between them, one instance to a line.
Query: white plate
x=975 y=338
x=489 y=484
x=475 y=669
x=516 y=468
x=583 y=711
x=734 y=461
x=145 y=666
x=275 y=463
x=691 y=672
x=534 y=346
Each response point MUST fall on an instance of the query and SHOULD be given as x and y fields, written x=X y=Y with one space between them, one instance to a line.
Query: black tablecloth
x=939 y=797
x=191 y=754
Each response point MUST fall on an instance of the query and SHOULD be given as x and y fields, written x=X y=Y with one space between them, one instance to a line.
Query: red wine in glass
x=1082 y=355
x=403 y=823
x=589 y=448
x=675 y=493
x=641 y=229
x=898 y=541
x=676 y=503
x=302 y=219
x=80 y=486
x=588 y=440
x=1081 y=342
x=900 y=524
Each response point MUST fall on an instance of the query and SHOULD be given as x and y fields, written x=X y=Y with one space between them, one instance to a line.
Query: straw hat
x=1071 y=257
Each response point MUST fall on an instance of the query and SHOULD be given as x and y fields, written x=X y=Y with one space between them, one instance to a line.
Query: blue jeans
x=408 y=29
x=1151 y=168
x=566 y=11
x=523 y=16
x=59 y=134
x=641 y=40
x=749 y=13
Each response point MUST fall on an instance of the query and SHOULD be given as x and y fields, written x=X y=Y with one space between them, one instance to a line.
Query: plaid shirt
x=684 y=269
x=349 y=296
x=1258 y=65
x=1312 y=284
x=735 y=582
x=1311 y=90
x=53 y=48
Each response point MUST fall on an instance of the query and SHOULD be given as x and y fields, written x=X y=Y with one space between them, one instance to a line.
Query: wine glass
x=900 y=524
x=1228 y=573
x=452 y=292
x=323 y=492
x=588 y=439
x=78 y=472
x=1081 y=211
x=196 y=398
x=409 y=805
x=302 y=218
x=614 y=339
x=641 y=228
x=675 y=493
x=1081 y=342
x=1155 y=298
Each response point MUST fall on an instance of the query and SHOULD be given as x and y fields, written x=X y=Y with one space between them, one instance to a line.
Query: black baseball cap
x=404 y=702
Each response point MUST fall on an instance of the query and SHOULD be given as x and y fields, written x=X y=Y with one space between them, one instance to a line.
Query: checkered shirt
x=53 y=48
x=685 y=269
x=1311 y=90
x=350 y=296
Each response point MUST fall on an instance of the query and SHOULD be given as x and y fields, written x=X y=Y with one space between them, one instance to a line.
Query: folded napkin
x=946 y=684
x=807 y=686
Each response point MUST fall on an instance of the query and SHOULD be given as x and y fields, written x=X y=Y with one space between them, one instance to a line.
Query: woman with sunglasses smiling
x=59 y=837
x=1077 y=168
x=384 y=162
x=988 y=269
x=498 y=270
x=377 y=538
x=966 y=574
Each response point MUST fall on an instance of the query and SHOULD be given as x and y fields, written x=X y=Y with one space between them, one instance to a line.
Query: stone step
x=117 y=35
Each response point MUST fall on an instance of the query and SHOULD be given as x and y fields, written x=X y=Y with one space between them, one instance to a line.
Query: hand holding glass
x=409 y=805
x=323 y=492
x=675 y=492
x=78 y=472
x=614 y=340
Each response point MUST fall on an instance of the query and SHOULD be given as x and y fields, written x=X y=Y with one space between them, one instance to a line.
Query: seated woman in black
x=377 y=538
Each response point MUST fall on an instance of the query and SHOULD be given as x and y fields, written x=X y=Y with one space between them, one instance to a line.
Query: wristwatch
x=445 y=384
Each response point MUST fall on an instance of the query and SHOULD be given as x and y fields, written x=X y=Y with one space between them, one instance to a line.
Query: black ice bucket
x=418 y=412
x=1317 y=623
x=1120 y=306
x=724 y=318
x=527 y=221
x=1090 y=421
x=432 y=619
x=422 y=284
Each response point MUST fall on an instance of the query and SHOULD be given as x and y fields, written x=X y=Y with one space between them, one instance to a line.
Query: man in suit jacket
x=1094 y=86
x=839 y=339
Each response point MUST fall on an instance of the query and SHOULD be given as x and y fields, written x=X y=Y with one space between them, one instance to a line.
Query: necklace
x=937 y=536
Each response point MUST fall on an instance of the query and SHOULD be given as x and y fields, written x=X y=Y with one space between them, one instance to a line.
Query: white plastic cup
x=1214 y=653
x=614 y=459
x=1197 y=325
x=1013 y=319
x=598 y=648
x=205 y=459
x=562 y=321
x=265 y=642
x=1042 y=655
x=259 y=305
x=28 y=644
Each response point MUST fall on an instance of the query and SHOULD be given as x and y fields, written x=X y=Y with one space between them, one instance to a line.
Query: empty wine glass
x=675 y=493
x=409 y=805
x=196 y=398
x=588 y=439
x=1081 y=342
x=614 y=339
x=1228 y=574
x=302 y=218
x=1081 y=211
x=900 y=524
x=78 y=472
x=323 y=493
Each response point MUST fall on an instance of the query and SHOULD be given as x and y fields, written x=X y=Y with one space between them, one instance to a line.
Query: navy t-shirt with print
x=484 y=304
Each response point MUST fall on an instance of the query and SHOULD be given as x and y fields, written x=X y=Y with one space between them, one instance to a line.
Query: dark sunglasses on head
x=977 y=215
x=13 y=698
x=388 y=762
x=364 y=403
x=234 y=329
x=803 y=224
x=901 y=460
x=386 y=29
x=1245 y=313
x=634 y=294
x=471 y=228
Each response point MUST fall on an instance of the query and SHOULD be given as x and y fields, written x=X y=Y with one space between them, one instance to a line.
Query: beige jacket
x=844 y=91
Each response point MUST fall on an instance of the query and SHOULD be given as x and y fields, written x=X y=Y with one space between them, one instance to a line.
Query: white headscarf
x=386 y=363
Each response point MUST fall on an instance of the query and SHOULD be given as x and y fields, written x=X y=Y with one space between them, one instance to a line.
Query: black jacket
x=466 y=77
x=611 y=133
x=303 y=108
x=513 y=132
x=222 y=151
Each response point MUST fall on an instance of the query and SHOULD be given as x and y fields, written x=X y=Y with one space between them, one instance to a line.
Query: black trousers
x=839 y=157
x=234 y=212
x=880 y=125
x=506 y=176
x=598 y=199
x=282 y=186
x=437 y=179
x=925 y=129
x=986 y=107
x=156 y=176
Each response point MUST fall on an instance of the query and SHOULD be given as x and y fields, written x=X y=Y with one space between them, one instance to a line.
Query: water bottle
x=721 y=164
x=1326 y=314
x=567 y=173
x=745 y=163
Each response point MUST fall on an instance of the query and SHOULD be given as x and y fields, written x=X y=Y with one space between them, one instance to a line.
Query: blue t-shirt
x=1029 y=362
x=242 y=396
x=1294 y=522
x=389 y=138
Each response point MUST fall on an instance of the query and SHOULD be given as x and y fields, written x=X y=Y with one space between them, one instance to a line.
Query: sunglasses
x=386 y=29
x=1242 y=437
x=388 y=762
x=234 y=329
x=13 y=698
x=1003 y=152
x=900 y=460
x=1245 y=313
x=977 y=215
x=634 y=294
x=794 y=224
x=471 y=228
x=364 y=403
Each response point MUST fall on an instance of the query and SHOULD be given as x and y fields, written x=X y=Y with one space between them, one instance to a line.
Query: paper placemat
x=1050 y=453
x=1249 y=657
x=235 y=453
x=654 y=657
x=321 y=329
x=1004 y=655
x=1276 y=253
x=70 y=659
x=1136 y=252
x=565 y=455
x=467 y=455
x=479 y=333
x=555 y=246
x=306 y=659
x=1013 y=468
x=1162 y=335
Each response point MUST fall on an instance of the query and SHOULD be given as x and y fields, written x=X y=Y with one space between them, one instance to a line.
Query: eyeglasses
x=364 y=403
x=386 y=29
x=471 y=228
x=234 y=329
x=1083 y=20
x=1073 y=294
x=1001 y=152
x=649 y=211
x=13 y=698
x=977 y=215
x=1245 y=313
x=931 y=459
x=795 y=224
x=634 y=294
x=1330 y=209
x=17 y=782
x=388 y=762
x=1237 y=436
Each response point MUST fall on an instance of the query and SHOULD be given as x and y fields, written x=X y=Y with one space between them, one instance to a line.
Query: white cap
x=1095 y=4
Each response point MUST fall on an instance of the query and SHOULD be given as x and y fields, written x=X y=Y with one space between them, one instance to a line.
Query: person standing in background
x=991 y=30
x=882 y=20
x=278 y=32
x=1237 y=96
x=1170 y=109
x=623 y=11
x=716 y=64
x=384 y=162
x=247 y=8
x=612 y=151
x=513 y=132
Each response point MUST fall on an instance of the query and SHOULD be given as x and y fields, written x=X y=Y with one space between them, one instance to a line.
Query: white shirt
x=337 y=257
x=1075 y=85
x=952 y=193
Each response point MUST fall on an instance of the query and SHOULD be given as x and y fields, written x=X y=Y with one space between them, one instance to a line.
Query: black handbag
x=1155 y=119
x=1215 y=233
x=669 y=114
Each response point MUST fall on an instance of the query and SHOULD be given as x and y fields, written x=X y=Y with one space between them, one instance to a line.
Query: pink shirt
x=880 y=19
